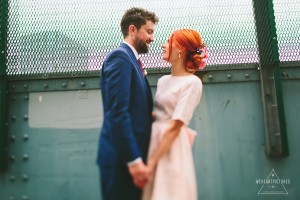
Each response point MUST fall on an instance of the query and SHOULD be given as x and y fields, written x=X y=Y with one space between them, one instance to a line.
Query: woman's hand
x=153 y=116
x=171 y=132
x=139 y=173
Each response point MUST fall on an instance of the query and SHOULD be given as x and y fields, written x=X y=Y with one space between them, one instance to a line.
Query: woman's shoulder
x=192 y=79
x=164 y=77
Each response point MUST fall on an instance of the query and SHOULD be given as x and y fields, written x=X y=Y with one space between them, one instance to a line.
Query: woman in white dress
x=170 y=159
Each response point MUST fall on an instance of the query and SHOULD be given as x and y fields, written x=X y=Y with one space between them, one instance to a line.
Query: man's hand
x=139 y=173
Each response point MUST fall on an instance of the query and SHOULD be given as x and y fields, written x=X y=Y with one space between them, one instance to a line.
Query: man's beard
x=141 y=47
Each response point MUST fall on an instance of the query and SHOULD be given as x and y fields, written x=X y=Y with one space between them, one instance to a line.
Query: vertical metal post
x=274 y=116
x=3 y=85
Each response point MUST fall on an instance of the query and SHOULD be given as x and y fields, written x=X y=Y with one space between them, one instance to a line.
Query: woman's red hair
x=190 y=41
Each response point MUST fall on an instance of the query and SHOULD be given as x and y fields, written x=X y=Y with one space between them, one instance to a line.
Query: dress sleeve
x=188 y=100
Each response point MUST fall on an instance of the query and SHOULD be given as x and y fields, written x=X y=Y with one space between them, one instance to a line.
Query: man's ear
x=132 y=30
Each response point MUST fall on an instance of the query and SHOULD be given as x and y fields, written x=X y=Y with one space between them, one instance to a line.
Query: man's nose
x=152 y=38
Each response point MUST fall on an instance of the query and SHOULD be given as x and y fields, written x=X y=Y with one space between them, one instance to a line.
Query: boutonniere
x=145 y=72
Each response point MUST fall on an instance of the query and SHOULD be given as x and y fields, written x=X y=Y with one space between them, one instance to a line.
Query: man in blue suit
x=127 y=103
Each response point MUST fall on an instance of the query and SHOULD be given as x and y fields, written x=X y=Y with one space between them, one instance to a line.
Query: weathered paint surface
x=57 y=161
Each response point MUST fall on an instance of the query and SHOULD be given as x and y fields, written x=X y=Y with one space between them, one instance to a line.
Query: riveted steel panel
x=59 y=163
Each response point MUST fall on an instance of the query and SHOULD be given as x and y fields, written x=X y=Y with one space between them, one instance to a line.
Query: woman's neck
x=179 y=69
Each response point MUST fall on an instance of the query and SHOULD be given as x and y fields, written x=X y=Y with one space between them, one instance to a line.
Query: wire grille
x=74 y=36
x=287 y=18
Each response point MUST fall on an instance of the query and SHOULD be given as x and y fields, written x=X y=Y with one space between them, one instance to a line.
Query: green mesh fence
x=73 y=36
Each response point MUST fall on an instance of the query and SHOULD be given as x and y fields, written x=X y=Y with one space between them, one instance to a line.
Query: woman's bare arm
x=166 y=142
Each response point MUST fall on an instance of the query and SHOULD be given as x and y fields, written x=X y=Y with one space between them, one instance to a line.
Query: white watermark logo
x=273 y=185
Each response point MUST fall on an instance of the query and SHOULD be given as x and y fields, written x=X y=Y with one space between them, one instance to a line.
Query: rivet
x=64 y=85
x=284 y=74
x=12 y=158
x=229 y=76
x=25 y=86
x=25 y=157
x=46 y=86
x=277 y=134
x=247 y=75
x=82 y=84
x=12 y=178
x=13 y=87
x=12 y=138
x=24 y=197
x=25 y=137
x=25 y=177
x=210 y=76
x=25 y=117
x=26 y=97
x=13 y=118
x=11 y=198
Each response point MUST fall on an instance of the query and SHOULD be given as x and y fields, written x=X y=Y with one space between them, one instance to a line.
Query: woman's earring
x=179 y=54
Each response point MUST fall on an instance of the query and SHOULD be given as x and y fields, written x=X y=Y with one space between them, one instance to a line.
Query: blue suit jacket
x=127 y=103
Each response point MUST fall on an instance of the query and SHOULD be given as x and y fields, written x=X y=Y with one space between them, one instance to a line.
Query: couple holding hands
x=146 y=154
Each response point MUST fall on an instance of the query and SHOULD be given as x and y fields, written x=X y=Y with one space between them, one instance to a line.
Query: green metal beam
x=3 y=85
x=274 y=117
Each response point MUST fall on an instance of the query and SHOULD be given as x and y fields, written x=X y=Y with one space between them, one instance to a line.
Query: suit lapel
x=149 y=93
x=141 y=76
x=132 y=57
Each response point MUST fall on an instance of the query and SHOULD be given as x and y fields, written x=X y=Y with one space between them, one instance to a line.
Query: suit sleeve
x=118 y=75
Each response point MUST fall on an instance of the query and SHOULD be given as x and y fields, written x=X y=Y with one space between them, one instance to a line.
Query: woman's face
x=166 y=51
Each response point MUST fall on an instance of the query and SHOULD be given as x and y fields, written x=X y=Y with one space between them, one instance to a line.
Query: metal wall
x=54 y=127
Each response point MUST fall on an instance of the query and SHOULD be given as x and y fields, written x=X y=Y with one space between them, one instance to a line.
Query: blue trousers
x=117 y=184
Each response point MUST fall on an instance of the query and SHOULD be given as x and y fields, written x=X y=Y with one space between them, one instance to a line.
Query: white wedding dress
x=174 y=177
